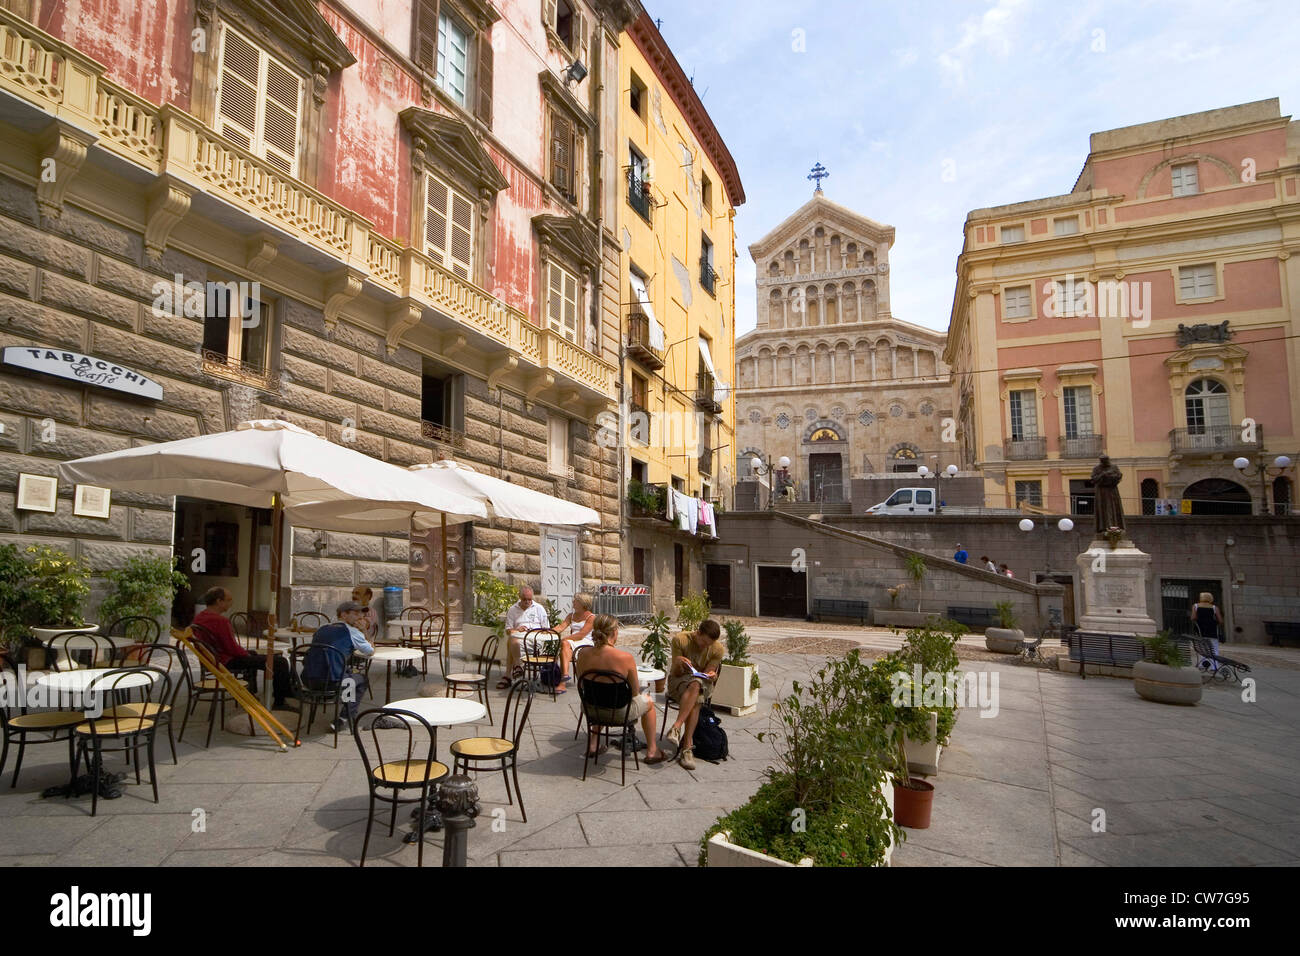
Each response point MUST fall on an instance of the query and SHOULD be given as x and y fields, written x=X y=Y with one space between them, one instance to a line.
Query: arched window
x=1207 y=407
x=905 y=460
x=1150 y=492
x=825 y=434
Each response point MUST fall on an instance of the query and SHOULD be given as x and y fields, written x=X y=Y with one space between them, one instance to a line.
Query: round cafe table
x=79 y=681
x=390 y=654
x=648 y=675
x=437 y=712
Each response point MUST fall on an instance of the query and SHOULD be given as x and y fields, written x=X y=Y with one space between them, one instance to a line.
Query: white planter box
x=43 y=634
x=472 y=639
x=732 y=690
x=722 y=852
x=923 y=756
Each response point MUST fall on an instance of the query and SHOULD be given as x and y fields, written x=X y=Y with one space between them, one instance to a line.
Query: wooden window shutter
x=238 y=94
x=280 y=131
x=555 y=298
x=550 y=14
x=435 y=221
x=483 y=100
x=561 y=153
x=580 y=38
x=462 y=236
x=424 y=45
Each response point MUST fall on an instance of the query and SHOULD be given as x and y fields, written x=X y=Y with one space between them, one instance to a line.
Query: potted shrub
x=1006 y=637
x=737 y=687
x=827 y=798
x=692 y=610
x=142 y=588
x=895 y=702
x=657 y=646
x=54 y=593
x=1166 y=678
x=916 y=571
x=646 y=500
x=492 y=598
x=932 y=649
x=13 y=572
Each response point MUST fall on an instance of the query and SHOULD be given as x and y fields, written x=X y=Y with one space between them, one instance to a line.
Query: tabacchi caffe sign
x=83 y=368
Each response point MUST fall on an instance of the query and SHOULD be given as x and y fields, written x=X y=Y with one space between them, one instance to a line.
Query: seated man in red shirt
x=212 y=627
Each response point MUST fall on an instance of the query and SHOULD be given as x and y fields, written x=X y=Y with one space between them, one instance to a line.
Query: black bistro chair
x=328 y=666
x=128 y=726
x=539 y=648
x=607 y=702
x=401 y=762
x=17 y=723
x=73 y=650
x=430 y=638
x=470 y=752
x=167 y=658
x=478 y=682
x=200 y=687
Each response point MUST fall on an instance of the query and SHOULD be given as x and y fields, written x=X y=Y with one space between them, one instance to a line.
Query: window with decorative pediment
x=569 y=128
x=451 y=40
x=449 y=227
x=569 y=255
x=260 y=77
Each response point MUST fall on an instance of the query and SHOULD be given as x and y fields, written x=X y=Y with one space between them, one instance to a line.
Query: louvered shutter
x=570 y=307
x=561 y=153
x=280 y=129
x=580 y=38
x=424 y=44
x=555 y=298
x=483 y=100
x=435 y=222
x=550 y=15
x=237 y=96
x=462 y=235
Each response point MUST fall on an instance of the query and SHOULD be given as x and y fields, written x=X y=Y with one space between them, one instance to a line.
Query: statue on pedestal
x=1110 y=510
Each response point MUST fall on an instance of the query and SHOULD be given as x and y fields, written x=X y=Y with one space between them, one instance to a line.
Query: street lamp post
x=949 y=472
x=1063 y=525
x=761 y=468
x=1281 y=464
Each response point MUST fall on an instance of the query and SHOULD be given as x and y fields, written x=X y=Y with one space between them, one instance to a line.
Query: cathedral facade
x=829 y=378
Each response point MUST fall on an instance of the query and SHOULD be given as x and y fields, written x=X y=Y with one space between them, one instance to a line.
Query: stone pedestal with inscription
x=1114 y=588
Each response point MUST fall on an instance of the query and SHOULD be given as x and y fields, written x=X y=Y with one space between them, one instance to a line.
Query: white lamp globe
x=1281 y=461
x=952 y=471
x=923 y=471
x=1026 y=524
x=784 y=462
x=1065 y=524
x=1240 y=463
x=755 y=463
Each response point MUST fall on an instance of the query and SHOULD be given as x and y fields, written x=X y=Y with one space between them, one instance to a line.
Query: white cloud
x=990 y=31
x=905 y=57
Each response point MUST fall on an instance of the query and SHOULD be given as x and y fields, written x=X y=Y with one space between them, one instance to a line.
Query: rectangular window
x=1078 y=411
x=1184 y=179
x=1013 y=233
x=639 y=398
x=1017 y=303
x=562 y=307
x=236 y=327
x=258 y=100
x=708 y=278
x=706 y=193
x=563 y=150
x=1066 y=227
x=1024 y=414
x=557 y=457
x=453 y=59
x=637 y=97
x=640 y=566
x=639 y=471
x=1070 y=298
x=1197 y=282
x=449 y=227
x=638 y=191
x=1030 y=492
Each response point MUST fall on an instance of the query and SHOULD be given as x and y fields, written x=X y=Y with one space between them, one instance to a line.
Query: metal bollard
x=458 y=803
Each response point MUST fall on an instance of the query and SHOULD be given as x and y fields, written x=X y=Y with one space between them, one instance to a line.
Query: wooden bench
x=837 y=607
x=975 y=617
x=1280 y=631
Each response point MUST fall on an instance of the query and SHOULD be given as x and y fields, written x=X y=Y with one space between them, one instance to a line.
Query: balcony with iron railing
x=1216 y=440
x=708 y=277
x=442 y=435
x=705 y=397
x=1081 y=446
x=1025 y=449
x=639 y=348
x=638 y=194
x=206 y=174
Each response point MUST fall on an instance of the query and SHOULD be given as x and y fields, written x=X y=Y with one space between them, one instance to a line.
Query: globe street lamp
x=924 y=472
x=1063 y=525
x=781 y=473
x=1276 y=470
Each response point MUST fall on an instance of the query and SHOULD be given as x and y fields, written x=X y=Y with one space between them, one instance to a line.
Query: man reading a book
x=696 y=659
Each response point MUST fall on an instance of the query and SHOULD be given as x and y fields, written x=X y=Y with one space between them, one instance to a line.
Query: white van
x=906 y=501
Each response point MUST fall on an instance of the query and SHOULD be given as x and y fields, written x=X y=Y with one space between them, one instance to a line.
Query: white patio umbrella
x=267 y=464
x=504 y=498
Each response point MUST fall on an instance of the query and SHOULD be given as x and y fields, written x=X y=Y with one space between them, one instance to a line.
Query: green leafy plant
x=738 y=649
x=492 y=598
x=692 y=610
x=553 y=614
x=1006 y=615
x=143 y=587
x=648 y=498
x=1164 y=649
x=934 y=648
x=656 y=645
x=916 y=570
x=56 y=588
x=13 y=572
x=895 y=703
x=832 y=754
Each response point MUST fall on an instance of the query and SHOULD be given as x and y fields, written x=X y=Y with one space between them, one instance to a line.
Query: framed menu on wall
x=91 y=501
x=37 y=493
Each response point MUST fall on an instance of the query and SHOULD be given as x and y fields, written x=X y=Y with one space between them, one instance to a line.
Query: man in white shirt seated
x=521 y=618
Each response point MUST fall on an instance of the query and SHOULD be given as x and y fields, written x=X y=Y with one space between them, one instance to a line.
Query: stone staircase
x=805 y=509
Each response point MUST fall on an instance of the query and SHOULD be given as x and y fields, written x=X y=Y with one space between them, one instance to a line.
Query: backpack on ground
x=710 y=740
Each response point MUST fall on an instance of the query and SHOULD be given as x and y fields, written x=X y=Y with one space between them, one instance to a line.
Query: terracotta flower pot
x=661 y=685
x=912 y=803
